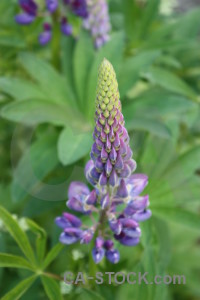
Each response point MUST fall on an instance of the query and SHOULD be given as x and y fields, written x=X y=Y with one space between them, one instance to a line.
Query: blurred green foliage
x=157 y=61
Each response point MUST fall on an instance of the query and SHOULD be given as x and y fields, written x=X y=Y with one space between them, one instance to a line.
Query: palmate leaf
x=52 y=288
x=174 y=173
x=20 y=289
x=52 y=83
x=17 y=233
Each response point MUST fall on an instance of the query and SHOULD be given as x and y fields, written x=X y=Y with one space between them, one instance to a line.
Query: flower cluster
x=30 y=11
x=114 y=205
x=98 y=22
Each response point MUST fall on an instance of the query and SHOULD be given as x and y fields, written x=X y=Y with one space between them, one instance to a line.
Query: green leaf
x=148 y=16
x=13 y=261
x=34 y=112
x=73 y=146
x=156 y=103
x=11 y=41
x=67 y=50
x=52 y=288
x=17 y=233
x=153 y=126
x=36 y=163
x=52 y=83
x=20 y=289
x=132 y=67
x=82 y=61
x=169 y=81
x=90 y=295
x=21 y=89
x=53 y=253
x=41 y=238
x=179 y=216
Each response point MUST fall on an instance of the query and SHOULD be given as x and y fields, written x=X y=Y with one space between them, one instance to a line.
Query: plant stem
x=53 y=276
x=56 y=40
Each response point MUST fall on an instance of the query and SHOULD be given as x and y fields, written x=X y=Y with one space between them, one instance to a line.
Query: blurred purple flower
x=98 y=22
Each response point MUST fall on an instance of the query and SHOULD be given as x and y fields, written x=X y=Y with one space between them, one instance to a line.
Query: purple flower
x=98 y=254
x=30 y=11
x=51 y=5
x=66 y=28
x=98 y=22
x=115 y=206
x=113 y=256
x=70 y=236
x=46 y=35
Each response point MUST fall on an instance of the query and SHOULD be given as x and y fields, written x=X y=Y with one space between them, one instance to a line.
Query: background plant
x=157 y=61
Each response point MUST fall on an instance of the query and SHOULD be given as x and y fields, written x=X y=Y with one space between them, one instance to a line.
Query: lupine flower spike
x=115 y=200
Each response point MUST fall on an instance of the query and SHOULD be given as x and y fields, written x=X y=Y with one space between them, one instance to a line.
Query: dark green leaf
x=20 y=289
x=53 y=253
x=52 y=288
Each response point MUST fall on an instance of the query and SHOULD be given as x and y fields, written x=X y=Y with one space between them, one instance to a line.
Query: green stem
x=56 y=40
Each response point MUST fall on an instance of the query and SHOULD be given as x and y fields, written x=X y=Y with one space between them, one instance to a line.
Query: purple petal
x=139 y=202
x=122 y=190
x=62 y=222
x=108 y=244
x=66 y=29
x=86 y=236
x=45 y=37
x=51 y=5
x=105 y=200
x=113 y=256
x=132 y=232
x=73 y=220
x=98 y=254
x=103 y=179
x=116 y=226
x=128 y=241
x=24 y=19
x=136 y=183
x=113 y=180
x=75 y=204
x=99 y=242
x=77 y=188
x=91 y=199
x=68 y=238
x=142 y=216
x=29 y=6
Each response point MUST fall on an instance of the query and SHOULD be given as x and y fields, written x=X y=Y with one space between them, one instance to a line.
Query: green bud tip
x=107 y=96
